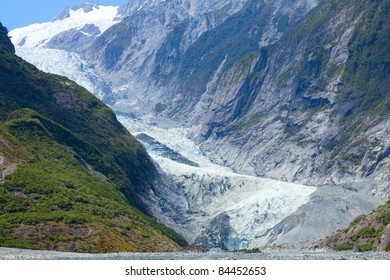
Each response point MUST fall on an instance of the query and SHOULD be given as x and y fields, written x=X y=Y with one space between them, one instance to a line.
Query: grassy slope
x=79 y=170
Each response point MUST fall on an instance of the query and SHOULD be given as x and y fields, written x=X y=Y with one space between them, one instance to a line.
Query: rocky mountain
x=71 y=175
x=130 y=46
x=365 y=233
x=315 y=107
x=84 y=8
x=295 y=91
x=72 y=29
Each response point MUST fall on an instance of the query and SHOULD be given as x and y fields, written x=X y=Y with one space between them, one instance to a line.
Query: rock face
x=333 y=206
x=151 y=38
x=86 y=7
x=290 y=90
x=298 y=115
x=365 y=233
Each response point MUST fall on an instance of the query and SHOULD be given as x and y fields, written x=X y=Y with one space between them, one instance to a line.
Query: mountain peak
x=85 y=7
x=103 y=17
x=131 y=6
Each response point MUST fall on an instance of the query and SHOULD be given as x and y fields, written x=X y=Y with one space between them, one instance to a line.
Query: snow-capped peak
x=85 y=7
x=37 y=35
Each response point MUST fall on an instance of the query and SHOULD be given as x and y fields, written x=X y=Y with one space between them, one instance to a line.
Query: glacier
x=31 y=44
x=67 y=64
x=39 y=34
x=252 y=205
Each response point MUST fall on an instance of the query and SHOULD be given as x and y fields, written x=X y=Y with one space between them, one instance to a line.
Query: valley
x=265 y=123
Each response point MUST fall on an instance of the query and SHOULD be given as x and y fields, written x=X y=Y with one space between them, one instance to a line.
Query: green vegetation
x=367 y=71
x=366 y=76
x=365 y=247
x=365 y=233
x=343 y=247
x=385 y=218
x=368 y=232
x=78 y=171
x=362 y=96
x=4 y=40
x=168 y=56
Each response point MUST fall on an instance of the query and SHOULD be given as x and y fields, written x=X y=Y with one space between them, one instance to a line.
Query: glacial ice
x=64 y=63
x=252 y=204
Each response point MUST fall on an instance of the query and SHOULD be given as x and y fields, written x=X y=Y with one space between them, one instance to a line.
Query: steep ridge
x=235 y=43
x=151 y=36
x=71 y=174
x=255 y=94
x=315 y=108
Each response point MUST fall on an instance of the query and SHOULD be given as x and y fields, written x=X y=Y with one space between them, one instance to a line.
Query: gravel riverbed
x=266 y=254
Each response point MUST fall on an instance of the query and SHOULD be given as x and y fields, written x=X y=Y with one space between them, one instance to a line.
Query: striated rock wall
x=294 y=118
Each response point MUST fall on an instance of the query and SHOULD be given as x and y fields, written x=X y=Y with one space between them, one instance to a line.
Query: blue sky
x=19 y=13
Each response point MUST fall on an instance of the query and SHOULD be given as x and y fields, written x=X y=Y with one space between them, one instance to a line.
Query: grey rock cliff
x=293 y=117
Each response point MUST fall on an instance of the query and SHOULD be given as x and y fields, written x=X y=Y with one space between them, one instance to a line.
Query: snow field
x=36 y=35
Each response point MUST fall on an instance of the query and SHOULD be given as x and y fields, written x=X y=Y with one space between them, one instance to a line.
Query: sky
x=19 y=13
